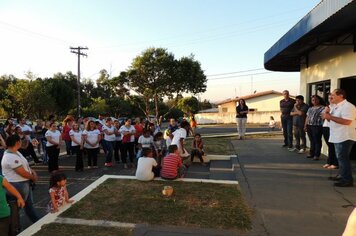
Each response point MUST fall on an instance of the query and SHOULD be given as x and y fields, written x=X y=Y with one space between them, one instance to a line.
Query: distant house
x=261 y=106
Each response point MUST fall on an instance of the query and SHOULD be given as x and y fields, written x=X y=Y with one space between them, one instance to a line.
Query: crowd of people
x=335 y=120
x=141 y=146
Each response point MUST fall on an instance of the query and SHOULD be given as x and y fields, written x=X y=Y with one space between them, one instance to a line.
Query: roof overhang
x=328 y=21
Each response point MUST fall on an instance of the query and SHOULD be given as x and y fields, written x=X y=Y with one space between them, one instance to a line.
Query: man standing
x=342 y=133
x=298 y=113
x=286 y=105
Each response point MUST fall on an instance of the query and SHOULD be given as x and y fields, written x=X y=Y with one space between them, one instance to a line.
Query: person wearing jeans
x=241 y=118
x=299 y=113
x=314 y=127
x=19 y=174
x=342 y=116
x=286 y=105
x=109 y=131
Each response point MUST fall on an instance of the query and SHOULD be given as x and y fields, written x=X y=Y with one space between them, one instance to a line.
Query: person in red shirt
x=67 y=126
x=139 y=126
x=172 y=166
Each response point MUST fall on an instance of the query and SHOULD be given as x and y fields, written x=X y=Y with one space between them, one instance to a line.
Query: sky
x=228 y=37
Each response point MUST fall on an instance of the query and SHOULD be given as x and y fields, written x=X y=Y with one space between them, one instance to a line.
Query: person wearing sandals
x=314 y=126
x=342 y=118
x=332 y=162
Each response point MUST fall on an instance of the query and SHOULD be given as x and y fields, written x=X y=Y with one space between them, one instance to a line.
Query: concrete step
x=197 y=175
x=221 y=165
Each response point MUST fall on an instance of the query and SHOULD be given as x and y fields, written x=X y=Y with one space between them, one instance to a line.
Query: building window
x=321 y=89
x=224 y=109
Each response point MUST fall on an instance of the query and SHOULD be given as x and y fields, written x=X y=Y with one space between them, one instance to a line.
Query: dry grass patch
x=204 y=205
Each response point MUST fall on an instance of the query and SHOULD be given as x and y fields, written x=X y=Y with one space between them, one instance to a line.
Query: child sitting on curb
x=172 y=166
x=146 y=166
x=197 y=149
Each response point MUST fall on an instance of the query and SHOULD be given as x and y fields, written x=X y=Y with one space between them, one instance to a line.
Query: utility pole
x=77 y=51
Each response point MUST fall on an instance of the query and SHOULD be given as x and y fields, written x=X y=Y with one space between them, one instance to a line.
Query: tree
x=189 y=105
x=156 y=74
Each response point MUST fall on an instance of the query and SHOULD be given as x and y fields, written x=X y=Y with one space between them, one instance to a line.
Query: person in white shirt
x=77 y=146
x=19 y=174
x=109 y=140
x=27 y=131
x=53 y=137
x=342 y=133
x=91 y=137
x=144 y=141
x=146 y=165
x=178 y=139
x=128 y=142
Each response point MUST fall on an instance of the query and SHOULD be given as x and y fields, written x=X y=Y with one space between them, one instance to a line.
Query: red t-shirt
x=170 y=165
x=139 y=130
x=65 y=133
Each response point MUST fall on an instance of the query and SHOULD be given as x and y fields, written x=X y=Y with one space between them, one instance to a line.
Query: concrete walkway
x=291 y=194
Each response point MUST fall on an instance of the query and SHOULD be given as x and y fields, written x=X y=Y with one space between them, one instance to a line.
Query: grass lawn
x=218 y=146
x=66 y=230
x=204 y=205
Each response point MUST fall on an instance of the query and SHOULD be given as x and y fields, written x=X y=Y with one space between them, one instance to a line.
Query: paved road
x=223 y=129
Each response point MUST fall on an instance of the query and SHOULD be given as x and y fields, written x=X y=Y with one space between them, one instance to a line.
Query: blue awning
x=327 y=21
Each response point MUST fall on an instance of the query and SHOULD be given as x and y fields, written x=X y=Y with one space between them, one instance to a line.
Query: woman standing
x=67 y=126
x=109 y=140
x=117 y=146
x=332 y=162
x=77 y=146
x=92 y=136
x=53 y=137
x=241 y=118
x=314 y=126
x=128 y=142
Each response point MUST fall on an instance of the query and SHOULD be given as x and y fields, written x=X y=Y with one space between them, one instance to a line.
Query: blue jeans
x=109 y=147
x=25 y=190
x=287 y=124
x=342 y=151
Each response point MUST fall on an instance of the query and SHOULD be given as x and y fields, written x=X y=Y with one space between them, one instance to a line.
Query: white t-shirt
x=10 y=162
x=25 y=128
x=145 y=142
x=144 y=168
x=92 y=136
x=177 y=135
x=338 y=132
x=77 y=136
x=125 y=129
x=109 y=137
x=54 y=135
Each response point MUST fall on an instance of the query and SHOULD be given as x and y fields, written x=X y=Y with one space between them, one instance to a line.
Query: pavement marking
x=104 y=223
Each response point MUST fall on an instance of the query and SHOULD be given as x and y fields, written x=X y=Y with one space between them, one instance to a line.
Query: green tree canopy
x=156 y=74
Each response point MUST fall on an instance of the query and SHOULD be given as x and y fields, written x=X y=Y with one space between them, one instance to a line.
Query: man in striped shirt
x=172 y=167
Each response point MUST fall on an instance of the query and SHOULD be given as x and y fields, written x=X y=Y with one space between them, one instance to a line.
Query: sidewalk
x=291 y=194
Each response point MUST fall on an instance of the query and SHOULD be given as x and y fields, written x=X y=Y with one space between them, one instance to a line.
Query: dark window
x=320 y=88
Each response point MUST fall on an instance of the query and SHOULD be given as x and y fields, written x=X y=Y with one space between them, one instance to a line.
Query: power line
x=236 y=76
x=236 y=72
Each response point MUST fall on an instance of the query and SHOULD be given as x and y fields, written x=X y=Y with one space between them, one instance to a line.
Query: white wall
x=228 y=118
x=331 y=63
